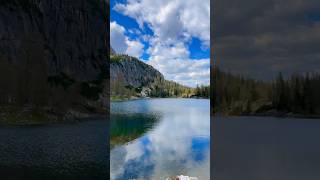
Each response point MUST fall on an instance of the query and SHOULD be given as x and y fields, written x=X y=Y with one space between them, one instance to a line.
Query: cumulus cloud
x=174 y=23
x=171 y=18
x=135 y=48
x=174 y=63
x=261 y=38
x=117 y=38
x=121 y=43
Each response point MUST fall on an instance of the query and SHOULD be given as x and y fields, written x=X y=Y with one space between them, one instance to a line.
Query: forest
x=237 y=95
x=159 y=88
x=165 y=88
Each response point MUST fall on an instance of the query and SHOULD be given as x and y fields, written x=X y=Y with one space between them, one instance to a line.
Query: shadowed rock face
x=53 y=53
x=133 y=72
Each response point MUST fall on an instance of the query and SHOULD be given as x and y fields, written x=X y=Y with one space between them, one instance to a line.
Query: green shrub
x=116 y=58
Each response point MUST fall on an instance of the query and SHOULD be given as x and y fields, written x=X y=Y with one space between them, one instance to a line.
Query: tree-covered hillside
x=130 y=77
x=236 y=95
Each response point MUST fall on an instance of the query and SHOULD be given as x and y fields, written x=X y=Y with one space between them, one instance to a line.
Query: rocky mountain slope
x=133 y=72
x=130 y=76
x=53 y=54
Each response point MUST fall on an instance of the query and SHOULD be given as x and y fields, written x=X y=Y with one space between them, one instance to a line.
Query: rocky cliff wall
x=53 y=53
x=133 y=72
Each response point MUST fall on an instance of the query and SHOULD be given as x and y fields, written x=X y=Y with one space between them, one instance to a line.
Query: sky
x=261 y=38
x=171 y=35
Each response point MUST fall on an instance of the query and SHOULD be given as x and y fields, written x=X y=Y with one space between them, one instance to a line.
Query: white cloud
x=169 y=18
x=196 y=19
x=174 y=23
x=117 y=37
x=173 y=61
x=135 y=48
x=121 y=43
x=185 y=71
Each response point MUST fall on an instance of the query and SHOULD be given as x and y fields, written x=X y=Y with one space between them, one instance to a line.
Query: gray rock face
x=133 y=72
x=145 y=92
x=40 y=39
x=66 y=35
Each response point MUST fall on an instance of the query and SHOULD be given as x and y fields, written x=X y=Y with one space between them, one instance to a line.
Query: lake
x=55 y=151
x=160 y=138
x=264 y=148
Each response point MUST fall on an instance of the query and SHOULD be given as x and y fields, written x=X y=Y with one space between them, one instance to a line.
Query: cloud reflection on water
x=178 y=144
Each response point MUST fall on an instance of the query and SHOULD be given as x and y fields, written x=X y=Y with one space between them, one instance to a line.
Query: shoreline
x=140 y=98
x=286 y=115
x=120 y=99
x=25 y=116
x=276 y=115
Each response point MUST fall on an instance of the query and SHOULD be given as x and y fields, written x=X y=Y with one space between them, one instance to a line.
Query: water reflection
x=264 y=148
x=177 y=144
x=127 y=127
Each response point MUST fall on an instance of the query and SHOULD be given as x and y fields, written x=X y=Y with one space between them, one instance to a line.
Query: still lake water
x=55 y=151
x=264 y=148
x=169 y=137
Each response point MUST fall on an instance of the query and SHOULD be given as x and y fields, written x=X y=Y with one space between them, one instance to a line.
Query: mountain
x=130 y=77
x=53 y=55
x=133 y=72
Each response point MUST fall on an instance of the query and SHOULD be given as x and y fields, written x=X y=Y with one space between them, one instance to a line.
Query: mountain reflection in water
x=125 y=128
x=177 y=141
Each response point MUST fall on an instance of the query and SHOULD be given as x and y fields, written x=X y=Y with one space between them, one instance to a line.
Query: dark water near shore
x=59 y=151
x=264 y=148
x=170 y=137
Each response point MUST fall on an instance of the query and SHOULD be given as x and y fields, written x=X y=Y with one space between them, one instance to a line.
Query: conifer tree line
x=298 y=94
x=234 y=94
x=159 y=88
x=165 y=88
x=202 y=91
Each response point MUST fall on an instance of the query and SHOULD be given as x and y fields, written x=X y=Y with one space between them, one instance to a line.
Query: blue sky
x=171 y=35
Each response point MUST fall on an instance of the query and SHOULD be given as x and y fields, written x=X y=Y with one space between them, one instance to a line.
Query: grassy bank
x=13 y=115
x=123 y=98
x=10 y=115
x=120 y=140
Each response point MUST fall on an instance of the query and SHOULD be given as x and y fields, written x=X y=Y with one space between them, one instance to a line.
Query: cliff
x=132 y=72
x=131 y=77
x=53 y=55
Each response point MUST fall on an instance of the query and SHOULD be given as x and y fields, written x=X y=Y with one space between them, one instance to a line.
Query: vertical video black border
x=212 y=69
x=107 y=43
